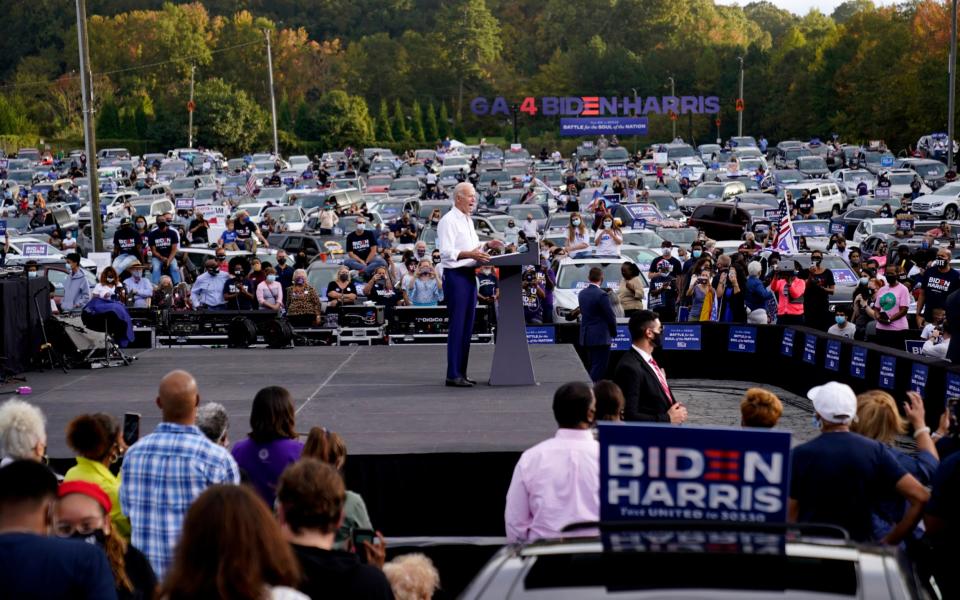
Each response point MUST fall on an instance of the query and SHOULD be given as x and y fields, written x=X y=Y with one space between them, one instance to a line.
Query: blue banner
x=914 y=346
x=786 y=348
x=918 y=377
x=544 y=334
x=604 y=126
x=622 y=341
x=681 y=337
x=832 y=358
x=888 y=372
x=742 y=339
x=953 y=385
x=658 y=472
x=810 y=349
x=858 y=362
x=3 y=227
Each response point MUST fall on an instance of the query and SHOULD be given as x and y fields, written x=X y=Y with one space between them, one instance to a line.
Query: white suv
x=827 y=197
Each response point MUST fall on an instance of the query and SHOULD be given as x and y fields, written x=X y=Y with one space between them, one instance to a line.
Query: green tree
x=401 y=132
x=416 y=123
x=443 y=123
x=382 y=129
x=108 y=121
x=472 y=35
x=431 y=132
x=336 y=120
x=226 y=118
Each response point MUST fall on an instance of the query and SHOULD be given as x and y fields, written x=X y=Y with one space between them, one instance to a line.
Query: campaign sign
x=888 y=372
x=918 y=376
x=604 y=126
x=914 y=346
x=720 y=542
x=609 y=199
x=786 y=347
x=644 y=211
x=845 y=277
x=886 y=161
x=544 y=334
x=810 y=349
x=681 y=337
x=832 y=358
x=858 y=362
x=953 y=385
x=811 y=228
x=742 y=339
x=658 y=472
x=905 y=223
x=184 y=203
x=837 y=228
x=881 y=192
x=34 y=250
x=771 y=213
x=622 y=341
x=3 y=227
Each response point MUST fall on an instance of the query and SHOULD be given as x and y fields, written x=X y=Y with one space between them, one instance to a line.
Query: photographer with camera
x=425 y=289
x=533 y=298
x=703 y=297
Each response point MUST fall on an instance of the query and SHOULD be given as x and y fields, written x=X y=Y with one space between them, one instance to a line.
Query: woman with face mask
x=816 y=299
x=270 y=291
x=609 y=238
x=576 y=240
x=81 y=512
x=98 y=442
x=341 y=290
x=109 y=287
x=303 y=302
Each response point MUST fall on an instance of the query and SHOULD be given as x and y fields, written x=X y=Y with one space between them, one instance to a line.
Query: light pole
x=673 y=119
x=952 y=96
x=90 y=141
x=515 y=108
x=273 y=100
x=190 y=107
x=740 y=112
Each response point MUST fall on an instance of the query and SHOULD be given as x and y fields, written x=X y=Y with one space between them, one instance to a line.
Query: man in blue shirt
x=207 y=290
x=34 y=566
x=139 y=288
x=164 y=472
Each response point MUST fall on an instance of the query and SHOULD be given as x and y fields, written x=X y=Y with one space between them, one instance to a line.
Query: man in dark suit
x=645 y=389
x=598 y=325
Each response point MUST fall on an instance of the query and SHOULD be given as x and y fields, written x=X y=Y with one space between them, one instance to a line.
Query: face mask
x=33 y=274
x=864 y=280
x=361 y=227
x=421 y=253
x=162 y=224
x=343 y=277
x=299 y=280
x=109 y=280
x=891 y=279
x=924 y=245
x=510 y=224
x=141 y=225
x=212 y=270
x=607 y=224
x=436 y=260
x=939 y=263
x=97 y=538
x=282 y=260
x=575 y=222
x=665 y=251
x=271 y=278
x=136 y=275
x=529 y=218
x=696 y=253
x=657 y=339
x=817 y=260
x=840 y=319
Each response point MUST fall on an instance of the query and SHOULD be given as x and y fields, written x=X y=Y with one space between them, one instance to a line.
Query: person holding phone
x=702 y=296
x=608 y=239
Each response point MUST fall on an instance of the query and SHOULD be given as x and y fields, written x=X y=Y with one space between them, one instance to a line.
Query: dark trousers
x=598 y=356
x=460 y=293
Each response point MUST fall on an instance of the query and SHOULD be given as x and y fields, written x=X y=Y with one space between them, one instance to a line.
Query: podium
x=511 y=355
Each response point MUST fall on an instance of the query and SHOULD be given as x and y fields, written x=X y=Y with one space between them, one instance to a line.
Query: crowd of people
x=187 y=516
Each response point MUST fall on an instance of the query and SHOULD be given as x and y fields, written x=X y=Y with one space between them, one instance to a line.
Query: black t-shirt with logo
x=936 y=287
x=245 y=230
x=361 y=244
x=487 y=284
x=162 y=240
x=233 y=286
x=805 y=204
x=127 y=240
x=383 y=296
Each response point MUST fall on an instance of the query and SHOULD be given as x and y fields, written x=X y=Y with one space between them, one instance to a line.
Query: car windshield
x=521 y=211
x=311 y=201
x=426 y=209
x=520 y=154
x=932 y=170
x=680 y=152
x=379 y=180
x=883 y=227
x=709 y=192
x=668 y=184
x=319 y=279
x=811 y=162
x=409 y=184
x=681 y=236
x=664 y=203
x=574 y=276
x=615 y=153
x=901 y=178
x=858 y=176
x=871 y=201
x=290 y=215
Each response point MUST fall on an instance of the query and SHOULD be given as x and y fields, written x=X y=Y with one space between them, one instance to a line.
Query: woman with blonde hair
x=609 y=239
x=577 y=240
x=412 y=577
x=879 y=419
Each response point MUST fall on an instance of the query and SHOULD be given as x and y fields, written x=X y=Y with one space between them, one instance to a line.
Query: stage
x=382 y=399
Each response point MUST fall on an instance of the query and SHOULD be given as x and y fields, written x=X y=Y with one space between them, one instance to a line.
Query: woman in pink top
x=270 y=291
x=890 y=307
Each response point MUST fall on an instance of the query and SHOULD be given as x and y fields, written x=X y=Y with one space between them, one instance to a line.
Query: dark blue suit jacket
x=598 y=324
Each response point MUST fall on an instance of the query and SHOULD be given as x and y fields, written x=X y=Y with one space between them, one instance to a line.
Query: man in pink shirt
x=890 y=307
x=557 y=482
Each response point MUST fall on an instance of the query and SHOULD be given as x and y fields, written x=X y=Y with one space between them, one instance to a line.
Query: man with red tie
x=643 y=382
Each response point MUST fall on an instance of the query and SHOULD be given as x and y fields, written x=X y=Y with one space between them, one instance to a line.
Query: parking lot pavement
x=713 y=402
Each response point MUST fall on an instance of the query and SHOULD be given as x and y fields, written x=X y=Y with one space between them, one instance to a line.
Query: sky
x=801 y=7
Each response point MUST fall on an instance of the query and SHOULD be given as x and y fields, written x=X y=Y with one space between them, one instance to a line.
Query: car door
x=292 y=244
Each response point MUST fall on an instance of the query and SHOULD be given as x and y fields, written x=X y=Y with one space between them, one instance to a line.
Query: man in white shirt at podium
x=460 y=254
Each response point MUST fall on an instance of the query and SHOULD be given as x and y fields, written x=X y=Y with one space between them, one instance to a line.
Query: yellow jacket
x=96 y=472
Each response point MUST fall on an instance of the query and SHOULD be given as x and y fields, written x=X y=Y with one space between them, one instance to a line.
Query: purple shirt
x=263 y=463
x=555 y=483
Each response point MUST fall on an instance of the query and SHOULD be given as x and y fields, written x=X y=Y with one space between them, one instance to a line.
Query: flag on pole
x=251 y=184
x=783 y=240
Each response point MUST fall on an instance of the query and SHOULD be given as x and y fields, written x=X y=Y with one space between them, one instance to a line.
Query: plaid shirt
x=162 y=475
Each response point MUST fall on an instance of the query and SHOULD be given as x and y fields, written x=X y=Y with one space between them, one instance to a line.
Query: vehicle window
x=575 y=275
x=722 y=213
x=291 y=244
x=57 y=278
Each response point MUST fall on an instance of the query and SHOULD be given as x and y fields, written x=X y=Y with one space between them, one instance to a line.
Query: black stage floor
x=382 y=399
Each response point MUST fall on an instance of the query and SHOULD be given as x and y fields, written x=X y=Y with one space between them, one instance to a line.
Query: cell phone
x=954 y=425
x=360 y=536
x=131 y=428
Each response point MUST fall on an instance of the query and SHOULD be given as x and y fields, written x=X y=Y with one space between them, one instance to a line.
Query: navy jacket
x=598 y=324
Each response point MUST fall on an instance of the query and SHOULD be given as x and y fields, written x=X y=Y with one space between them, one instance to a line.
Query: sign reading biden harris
x=663 y=472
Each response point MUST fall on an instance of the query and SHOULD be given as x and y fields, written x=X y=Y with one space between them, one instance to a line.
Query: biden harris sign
x=659 y=472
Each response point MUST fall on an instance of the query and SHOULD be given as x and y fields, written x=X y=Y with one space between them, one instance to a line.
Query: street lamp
x=515 y=108
x=740 y=112
x=952 y=96
x=673 y=120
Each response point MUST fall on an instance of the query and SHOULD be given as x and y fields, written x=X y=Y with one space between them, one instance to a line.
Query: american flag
x=251 y=184
x=783 y=240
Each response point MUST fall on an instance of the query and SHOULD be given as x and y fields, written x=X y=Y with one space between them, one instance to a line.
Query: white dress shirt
x=555 y=483
x=455 y=234
x=530 y=228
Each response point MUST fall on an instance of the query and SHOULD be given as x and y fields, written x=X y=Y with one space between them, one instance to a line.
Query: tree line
x=403 y=71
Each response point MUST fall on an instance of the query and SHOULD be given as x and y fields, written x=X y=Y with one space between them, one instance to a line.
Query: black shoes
x=461 y=382
x=468 y=380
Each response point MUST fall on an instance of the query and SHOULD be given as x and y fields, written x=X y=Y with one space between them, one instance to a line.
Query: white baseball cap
x=835 y=402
